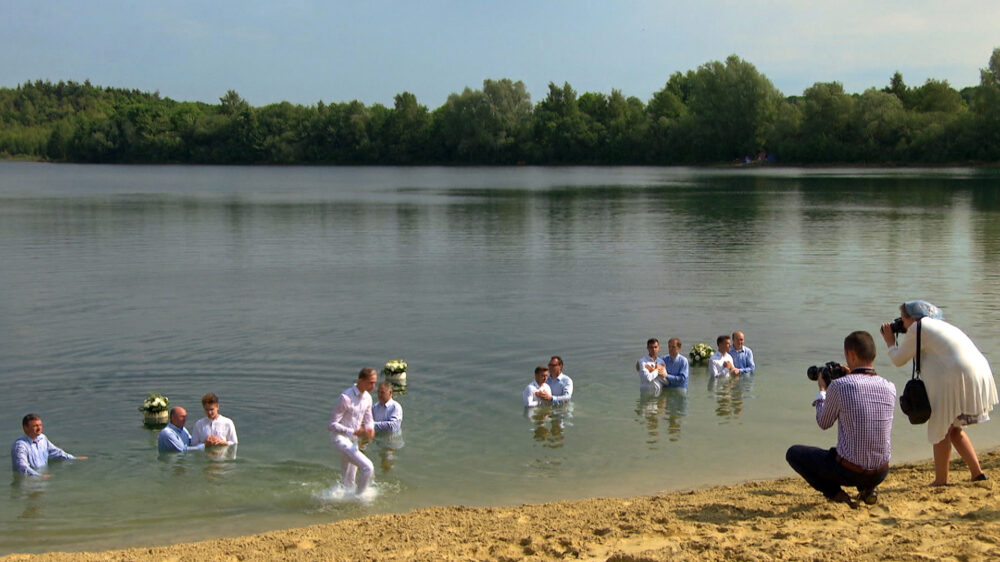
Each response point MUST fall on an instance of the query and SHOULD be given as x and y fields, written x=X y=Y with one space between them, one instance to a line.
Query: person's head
x=210 y=403
x=738 y=339
x=555 y=366
x=178 y=416
x=674 y=346
x=367 y=379
x=859 y=349
x=541 y=374
x=911 y=311
x=723 y=342
x=384 y=392
x=32 y=425
x=653 y=346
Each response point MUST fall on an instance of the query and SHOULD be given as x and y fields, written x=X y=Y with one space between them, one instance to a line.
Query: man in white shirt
x=720 y=363
x=537 y=387
x=651 y=369
x=561 y=386
x=352 y=419
x=214 y=428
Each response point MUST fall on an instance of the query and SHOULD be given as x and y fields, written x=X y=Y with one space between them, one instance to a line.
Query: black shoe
x=842 y=497
x=868 y=495
x=980 y=478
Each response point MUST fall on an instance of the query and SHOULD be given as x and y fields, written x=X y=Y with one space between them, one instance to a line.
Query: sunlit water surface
x=272 y=287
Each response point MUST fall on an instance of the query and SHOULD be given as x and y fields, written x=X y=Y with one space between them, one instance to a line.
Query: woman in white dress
x=958 y=378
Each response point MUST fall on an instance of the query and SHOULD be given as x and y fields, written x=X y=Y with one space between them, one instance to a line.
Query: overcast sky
x=304 y=51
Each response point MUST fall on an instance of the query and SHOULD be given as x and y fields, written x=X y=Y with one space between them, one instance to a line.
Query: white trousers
x=353 y=459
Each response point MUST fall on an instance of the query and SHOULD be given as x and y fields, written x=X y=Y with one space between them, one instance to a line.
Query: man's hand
x=365 y=432
x=543 y=395
x=650 y=367
x=887 y=335
x=821 y=381
x=661 y=370
x=214 y=440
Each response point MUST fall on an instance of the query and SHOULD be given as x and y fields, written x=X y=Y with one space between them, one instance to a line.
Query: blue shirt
x=677 y=371
x=388 y=417
x=175 y=439
x=561 y=388
x=28 y=456
x=743 y=359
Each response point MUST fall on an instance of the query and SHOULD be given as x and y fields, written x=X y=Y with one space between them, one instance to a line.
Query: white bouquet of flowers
x=700 y=353
x=155 y=403
x=395 y=371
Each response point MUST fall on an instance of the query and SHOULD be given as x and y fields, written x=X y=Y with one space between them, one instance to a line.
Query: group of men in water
x=672 y=369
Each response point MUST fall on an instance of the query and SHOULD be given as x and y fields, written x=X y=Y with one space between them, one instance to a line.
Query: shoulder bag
x=914 y=401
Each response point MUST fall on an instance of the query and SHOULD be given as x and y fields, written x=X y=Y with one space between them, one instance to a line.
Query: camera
x=897 y=326
x=832 y=370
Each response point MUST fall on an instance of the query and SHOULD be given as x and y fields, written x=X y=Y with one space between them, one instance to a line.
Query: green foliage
x=719 y=112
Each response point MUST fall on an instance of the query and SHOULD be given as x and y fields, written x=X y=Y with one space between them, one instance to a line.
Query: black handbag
x=914 y=401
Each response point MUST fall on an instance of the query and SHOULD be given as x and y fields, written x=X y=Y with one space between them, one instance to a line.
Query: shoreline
x=780 y=519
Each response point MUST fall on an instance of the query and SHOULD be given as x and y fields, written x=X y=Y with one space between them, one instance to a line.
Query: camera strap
x=916 y=358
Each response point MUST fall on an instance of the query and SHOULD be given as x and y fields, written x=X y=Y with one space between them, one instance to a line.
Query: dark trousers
x=822 y=471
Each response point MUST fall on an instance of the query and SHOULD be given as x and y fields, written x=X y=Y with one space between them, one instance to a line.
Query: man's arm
x=828 y=405
x=681 y=377
x=337 y=415
x=19 y=459
x=750 y=365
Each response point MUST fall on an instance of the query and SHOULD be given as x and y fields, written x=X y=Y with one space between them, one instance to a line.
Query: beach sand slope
x=768 y=520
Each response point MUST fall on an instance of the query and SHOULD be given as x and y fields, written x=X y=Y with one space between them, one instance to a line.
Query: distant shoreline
x=770 y=519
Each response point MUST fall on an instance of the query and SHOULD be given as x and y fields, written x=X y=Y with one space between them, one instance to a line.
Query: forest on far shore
x=720 y=112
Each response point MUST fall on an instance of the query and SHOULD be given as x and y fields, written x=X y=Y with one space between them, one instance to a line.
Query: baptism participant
x=742 y=355
x=387 y=413
x=651 y=369
x=30 y=453
x=352 y=419
x=675 y=365
x=213 y=424
x=536 y=389
x=561 y=385
x=720 y=363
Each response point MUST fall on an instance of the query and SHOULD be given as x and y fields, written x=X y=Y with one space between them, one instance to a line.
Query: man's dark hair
x=28 y=418
x=209 y=398
x=557 y=359
x=862 y=344
x=652 y=340
x=367 y=372
x=541 y=369
x=722 y=338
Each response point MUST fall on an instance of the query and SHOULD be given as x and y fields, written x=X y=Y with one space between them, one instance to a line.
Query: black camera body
x=897 y=326
x=831 y=371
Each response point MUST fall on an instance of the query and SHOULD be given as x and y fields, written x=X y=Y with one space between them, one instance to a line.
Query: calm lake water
x=272 y=287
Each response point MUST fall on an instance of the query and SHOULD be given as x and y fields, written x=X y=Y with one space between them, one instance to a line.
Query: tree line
x=719 y=112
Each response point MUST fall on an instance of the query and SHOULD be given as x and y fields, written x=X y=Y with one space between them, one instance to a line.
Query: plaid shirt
x=863 y=404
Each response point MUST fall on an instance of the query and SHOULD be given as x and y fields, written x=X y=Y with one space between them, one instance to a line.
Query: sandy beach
x=765 y=520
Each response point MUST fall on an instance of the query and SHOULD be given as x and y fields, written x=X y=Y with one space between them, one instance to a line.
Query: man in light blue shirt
x=675 y=365
x=175 y=438
x=32 y=452
x=387 y=413
x=560 y=385
x=742 y=355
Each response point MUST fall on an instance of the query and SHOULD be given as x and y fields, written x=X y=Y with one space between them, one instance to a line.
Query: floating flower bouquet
x=155 y=409
x=395 y=371
x=700 y=353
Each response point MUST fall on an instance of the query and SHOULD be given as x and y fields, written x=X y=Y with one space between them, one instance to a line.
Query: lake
x=272 y=287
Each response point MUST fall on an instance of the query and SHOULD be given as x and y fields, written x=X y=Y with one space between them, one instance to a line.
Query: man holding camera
x=862 y=402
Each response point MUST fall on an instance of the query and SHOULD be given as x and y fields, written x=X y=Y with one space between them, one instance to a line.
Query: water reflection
x=386 y=445
x=730 y=393
x=669 y=405
x=28 y=491
x=550 y=423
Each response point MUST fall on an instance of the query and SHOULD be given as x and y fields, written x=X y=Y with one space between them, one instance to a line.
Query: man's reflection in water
x=31 y=491
x=550 y=422
x=387 y=443
x=220 y=457
x=670 y=405
x=729 y=394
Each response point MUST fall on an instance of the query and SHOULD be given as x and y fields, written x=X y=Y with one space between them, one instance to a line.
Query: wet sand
x=765 y=520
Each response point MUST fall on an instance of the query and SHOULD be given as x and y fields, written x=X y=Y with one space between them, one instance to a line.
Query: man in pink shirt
x=351 y=420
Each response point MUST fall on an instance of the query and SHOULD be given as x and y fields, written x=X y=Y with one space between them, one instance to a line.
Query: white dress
x=957 y=376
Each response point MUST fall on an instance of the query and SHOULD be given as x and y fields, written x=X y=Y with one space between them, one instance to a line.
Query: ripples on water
x=272 y=286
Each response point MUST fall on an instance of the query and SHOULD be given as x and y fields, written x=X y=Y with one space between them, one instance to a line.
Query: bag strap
x=916 y=358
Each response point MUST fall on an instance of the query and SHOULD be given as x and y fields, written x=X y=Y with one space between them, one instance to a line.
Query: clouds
x=304 y=51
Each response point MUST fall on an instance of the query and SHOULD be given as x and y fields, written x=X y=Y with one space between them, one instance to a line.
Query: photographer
x=957 y=376
x=862 y=402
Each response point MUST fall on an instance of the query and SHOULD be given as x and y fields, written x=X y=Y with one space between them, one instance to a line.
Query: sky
x=306 y=51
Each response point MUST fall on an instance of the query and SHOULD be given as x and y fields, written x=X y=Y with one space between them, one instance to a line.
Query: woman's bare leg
x=963 y=445
x=942 y=454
